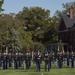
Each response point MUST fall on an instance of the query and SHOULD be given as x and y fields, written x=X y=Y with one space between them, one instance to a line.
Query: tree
x=25 y=38
x=51 y=36
x=36 y=20
x=1 y=2
x=8 y=31
x=66 y=8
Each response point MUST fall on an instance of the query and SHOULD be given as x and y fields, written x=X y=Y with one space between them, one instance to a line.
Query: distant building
x=13 y=15
x=66 y=31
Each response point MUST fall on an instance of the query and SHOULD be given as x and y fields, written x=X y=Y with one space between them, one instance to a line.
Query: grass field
x=32 y=71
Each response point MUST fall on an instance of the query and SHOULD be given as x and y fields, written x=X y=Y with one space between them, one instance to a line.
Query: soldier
x=27 y=60
x=47 y=59
x=50 y=58
x=0 y=60
x=6 y=60
x=9 y=59
x=24 y=58
x=19 y=59
x=68 y=56
x=34 y=57
x=38 y=61
x=4 y=63
x=65 y=58
x=53 y=57
x=59 y=60
x=15 y=58
x=71 y=60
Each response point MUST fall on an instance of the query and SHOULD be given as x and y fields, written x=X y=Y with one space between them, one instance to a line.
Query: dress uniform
x=38 y=61
x=15 y=57
x=19 y=60
x=27 y=60
x=47 y=59
x=66 y=59
x=71 y=61
x=53 y=58
x=59 y=61
x=4 y=61
x=68 y=56
x=9 y=60
x=34 y=57
x=0 y=60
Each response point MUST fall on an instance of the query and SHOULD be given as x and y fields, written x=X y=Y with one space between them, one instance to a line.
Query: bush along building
x=66 y=31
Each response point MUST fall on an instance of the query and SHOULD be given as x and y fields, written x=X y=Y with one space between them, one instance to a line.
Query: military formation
x=18 y=59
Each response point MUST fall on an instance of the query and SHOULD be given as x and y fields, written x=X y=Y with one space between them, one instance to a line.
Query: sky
x=14 y=6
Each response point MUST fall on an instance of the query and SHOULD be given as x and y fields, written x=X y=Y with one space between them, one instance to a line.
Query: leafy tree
x=25 y=38
x=66 y=8
x=37 y=21
x=13 y=40
x=50 y=36
x=1 y=2
x=28 y=28
x=8 y=31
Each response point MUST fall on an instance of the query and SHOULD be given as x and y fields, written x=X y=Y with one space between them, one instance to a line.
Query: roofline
x=63 y=30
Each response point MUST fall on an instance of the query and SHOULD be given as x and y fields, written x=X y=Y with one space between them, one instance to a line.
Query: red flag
x=27 y=49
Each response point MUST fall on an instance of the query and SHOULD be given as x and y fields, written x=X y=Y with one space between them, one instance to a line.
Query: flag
x=27 y=49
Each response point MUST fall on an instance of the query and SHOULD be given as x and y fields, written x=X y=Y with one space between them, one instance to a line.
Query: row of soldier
x=18 y=59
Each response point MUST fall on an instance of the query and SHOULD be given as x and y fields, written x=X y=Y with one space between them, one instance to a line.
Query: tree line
x=32 y=28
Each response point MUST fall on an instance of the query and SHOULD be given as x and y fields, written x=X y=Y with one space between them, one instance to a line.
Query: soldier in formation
x=71 y=60
x=47 y=59
x=59 y=59
x=38 y=60
x=6 y=60
x=27 y=60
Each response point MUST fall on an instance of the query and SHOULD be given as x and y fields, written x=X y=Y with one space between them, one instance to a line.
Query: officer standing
x=38 y=61
x=19 y=59
x=4 y=63
x=33 y=57
x=0 y=60
x=9 y=59
x=71 y=60
x=53 y=57
x=66 y=59
x=29 y=56
x=15 y=57
x=59 y=60
x=68 y=56
x=27 y=61
x=47 y=60
x=6 y=60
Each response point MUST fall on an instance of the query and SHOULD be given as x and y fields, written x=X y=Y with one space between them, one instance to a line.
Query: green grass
x=32 y=71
